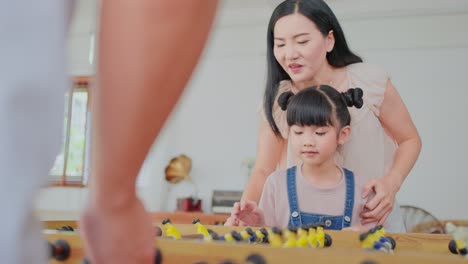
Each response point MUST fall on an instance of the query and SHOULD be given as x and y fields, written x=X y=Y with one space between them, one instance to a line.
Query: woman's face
x=300 y=48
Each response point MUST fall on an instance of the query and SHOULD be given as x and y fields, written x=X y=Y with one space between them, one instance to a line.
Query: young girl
x=316 y=191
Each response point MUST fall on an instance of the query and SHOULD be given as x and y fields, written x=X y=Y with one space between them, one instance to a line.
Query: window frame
x=80 y=83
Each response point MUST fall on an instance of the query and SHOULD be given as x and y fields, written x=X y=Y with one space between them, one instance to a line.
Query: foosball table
x=198 y=243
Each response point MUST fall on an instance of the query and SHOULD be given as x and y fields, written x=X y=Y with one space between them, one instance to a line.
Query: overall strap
x=349 y=203
x=295 y=216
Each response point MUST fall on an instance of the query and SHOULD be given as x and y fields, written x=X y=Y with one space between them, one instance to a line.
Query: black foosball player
x=232 y=236
x=261 y=235
x=250 y=259
x=66 y=228
x=255 y=259
x=158 y=231
x=60 y=250
x=213 y=235
x=248 y=234
x=459 y=243
x=157 y=259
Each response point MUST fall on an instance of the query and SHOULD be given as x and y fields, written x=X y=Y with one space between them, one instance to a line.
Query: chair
x=418 y=220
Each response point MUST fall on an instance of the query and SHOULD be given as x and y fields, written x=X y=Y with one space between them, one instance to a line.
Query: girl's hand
x=232 y=221
x=246 y=213
x=359 y=229
x=380 y=206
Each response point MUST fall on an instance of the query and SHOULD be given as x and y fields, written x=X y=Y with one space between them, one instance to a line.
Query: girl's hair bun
x=353 y=97
x=283 y=100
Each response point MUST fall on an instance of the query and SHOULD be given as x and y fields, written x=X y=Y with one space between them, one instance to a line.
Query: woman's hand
x=381 y=204
x=246 y=213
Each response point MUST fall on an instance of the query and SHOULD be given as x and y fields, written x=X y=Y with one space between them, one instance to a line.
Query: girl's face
x=300 y=48
x=316 y=145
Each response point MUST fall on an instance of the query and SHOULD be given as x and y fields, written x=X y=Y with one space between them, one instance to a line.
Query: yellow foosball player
x=323 y=239
x=291 y=237
x=320 y=236
x=302 y=237
x=275 y=237
x=367 y=242
x=170 y=230
x=201 y=229
x=312 y=236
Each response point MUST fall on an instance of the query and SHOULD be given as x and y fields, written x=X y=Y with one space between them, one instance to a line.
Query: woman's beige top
x=370 y=150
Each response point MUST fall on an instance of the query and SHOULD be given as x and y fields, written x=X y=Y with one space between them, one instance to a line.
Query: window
x=71 y=164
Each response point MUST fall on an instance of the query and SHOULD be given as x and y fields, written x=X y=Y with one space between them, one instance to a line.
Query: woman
x=306 y=46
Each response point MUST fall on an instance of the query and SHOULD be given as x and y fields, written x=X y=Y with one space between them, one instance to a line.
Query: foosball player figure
x=370 y=240
x=157 y=231
x=380 y=242
x=232 y=236
x=389 y=242
x=261 y=235
x=255 y=259
x=201 y=229
x=320 y=236
x=291 y=236
x=367 y=242
x=275 y=237
x=212 y=236
x=248 y=235
x=227 y=262
x=459 y=244
x=312 y=236
x=66 y=228
x=324 y=240
x=158 y=258
x=60 y=250
x=302 y=237
x=170 y=230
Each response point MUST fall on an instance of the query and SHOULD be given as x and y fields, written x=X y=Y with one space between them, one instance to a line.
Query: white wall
x=427 y=56
x=81 y=38
x=424 y=46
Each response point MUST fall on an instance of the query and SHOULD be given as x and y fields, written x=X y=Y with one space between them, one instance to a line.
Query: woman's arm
x=269 y=150
x=396 y=119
